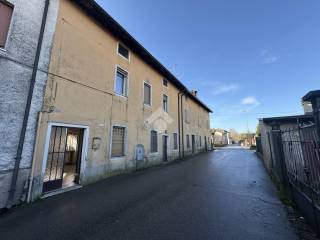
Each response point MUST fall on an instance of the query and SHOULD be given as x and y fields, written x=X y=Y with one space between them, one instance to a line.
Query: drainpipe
x=27 y=109
x=182 y=125
x=179 y=123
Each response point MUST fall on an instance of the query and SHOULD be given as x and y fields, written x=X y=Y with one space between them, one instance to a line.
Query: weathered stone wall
x=16 y=64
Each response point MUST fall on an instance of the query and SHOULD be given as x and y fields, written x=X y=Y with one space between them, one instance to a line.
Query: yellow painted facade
x=80 y=92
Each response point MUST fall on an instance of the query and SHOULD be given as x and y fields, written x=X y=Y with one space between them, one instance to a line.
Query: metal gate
x=64 y=149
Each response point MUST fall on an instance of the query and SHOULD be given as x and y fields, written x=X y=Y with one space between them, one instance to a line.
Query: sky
x=247 y=59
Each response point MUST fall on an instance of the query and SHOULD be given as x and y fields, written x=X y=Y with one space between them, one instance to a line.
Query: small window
x=147 y=94
x=123 y=51
x=175 y=141
x=154 y=141
x=118 y=140
x=165 y=103
x=186 y=116
x=165 y=82
x=6 y=11
x=188 y=141
x=121 y=82
x=200 y=142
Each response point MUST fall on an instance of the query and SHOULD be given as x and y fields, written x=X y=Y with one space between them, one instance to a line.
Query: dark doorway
x=64 y=158
x=193 y=141
x=205 y=143
x=165 y=147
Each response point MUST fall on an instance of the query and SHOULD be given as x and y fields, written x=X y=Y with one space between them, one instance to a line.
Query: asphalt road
x=221 y=195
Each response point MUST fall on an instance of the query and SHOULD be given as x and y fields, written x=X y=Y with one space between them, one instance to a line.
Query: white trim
x=126 y=83
x=150 y=85
x=163 y=94
x=125 y=142
x=129 y=53
x=85 y=142
x=4 y=48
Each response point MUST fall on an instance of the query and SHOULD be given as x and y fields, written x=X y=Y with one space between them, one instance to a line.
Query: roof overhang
x=288 y=119
x=311 y=95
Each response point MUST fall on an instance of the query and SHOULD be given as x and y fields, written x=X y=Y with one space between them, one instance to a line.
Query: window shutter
x=5 y=19
x=118 y=136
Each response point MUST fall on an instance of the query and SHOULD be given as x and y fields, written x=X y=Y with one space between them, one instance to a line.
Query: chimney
x=194 y=92
x=307 y=107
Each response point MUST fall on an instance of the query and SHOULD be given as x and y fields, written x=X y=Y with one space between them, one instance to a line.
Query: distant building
x=220 y=137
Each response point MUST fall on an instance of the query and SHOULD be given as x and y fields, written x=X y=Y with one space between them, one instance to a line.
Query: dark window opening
x=123 y=51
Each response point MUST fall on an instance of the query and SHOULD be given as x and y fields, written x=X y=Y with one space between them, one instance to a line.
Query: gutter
x=27 y=109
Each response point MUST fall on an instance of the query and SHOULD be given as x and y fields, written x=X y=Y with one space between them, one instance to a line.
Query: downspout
x=179 y=122
x=27 y=109
x=182 y=127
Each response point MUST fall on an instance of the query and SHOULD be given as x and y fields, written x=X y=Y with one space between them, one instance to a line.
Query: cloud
x=224 y=88
x=268 y=57
x=250 y=101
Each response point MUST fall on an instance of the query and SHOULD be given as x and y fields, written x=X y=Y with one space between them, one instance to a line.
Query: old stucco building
x=109 y=106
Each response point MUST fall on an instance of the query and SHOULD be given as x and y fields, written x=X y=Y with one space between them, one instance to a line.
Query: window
x=147 y=94
x=200 y=142
x=175 y=141
x=121 y=82
x=188 y=141
x=6 y=11
x=123 y=51
x=165 y=82
x=118 y=142
x=154 y=141
x=165 y=103
x=187 y=115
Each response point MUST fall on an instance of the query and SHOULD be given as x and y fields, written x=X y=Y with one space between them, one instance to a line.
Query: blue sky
x=248 y=59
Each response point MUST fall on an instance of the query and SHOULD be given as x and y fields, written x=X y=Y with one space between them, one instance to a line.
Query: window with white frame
x=175 y=141
x=147 y=93
x=118 y=141
x=121 y=85
x=123 y=51
x=165 y=103
x=154 y=142
x=6 y=11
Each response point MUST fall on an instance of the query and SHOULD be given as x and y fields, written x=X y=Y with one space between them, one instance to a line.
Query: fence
x=296 y=162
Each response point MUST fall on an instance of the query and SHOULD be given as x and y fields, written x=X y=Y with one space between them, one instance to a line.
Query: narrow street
x=225 y=194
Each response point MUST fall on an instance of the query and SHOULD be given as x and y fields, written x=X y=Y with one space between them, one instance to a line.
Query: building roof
x=311 y=95
x=95 y=11
x=288 y=119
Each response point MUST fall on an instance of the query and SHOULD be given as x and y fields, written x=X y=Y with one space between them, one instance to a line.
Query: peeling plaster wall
x=16 y=63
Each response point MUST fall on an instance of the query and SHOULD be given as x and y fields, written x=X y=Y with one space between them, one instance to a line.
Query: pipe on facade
x=182 y=121
x=27 y=109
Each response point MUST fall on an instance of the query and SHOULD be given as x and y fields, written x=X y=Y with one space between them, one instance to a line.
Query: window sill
x=147 y=106
x=120 y=95
x=154 y=154
x=118 y=158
